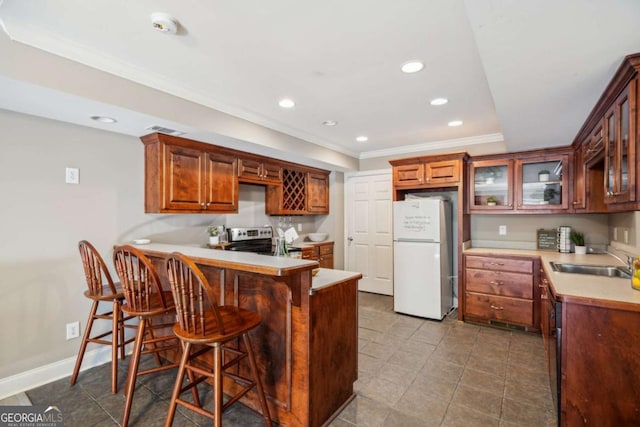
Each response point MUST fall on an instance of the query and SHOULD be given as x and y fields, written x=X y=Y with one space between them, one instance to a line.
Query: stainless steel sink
x=594 y=270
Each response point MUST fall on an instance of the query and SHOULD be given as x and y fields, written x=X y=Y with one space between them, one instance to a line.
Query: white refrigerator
x=422 y=271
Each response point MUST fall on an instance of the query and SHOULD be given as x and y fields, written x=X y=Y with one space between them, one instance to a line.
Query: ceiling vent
x=165 y=130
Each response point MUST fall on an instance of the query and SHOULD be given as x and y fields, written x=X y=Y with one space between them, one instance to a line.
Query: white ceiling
x=525 y=71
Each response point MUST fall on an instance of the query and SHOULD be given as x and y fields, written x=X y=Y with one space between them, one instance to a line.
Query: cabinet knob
x=544 y=296
x=202 y=204
x=208 y=204
x=577 y=202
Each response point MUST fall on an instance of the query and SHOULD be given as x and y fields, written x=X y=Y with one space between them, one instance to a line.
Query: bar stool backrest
x=140 y=281
x=193 y=296
x=95 y=270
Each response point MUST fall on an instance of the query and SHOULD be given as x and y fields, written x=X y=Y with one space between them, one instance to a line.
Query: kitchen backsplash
x=521 y=229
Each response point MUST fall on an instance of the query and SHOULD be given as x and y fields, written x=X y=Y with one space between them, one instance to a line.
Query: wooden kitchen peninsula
x=306 y=346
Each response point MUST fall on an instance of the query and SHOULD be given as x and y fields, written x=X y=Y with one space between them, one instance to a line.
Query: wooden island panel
x=306 y=345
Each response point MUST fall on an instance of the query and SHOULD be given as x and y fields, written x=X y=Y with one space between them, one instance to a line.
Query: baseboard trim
x=33 y=378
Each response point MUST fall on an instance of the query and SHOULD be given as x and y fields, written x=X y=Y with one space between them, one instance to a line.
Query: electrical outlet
x=625 y=237
x=73 y=330
x=615 y=234
x=502 y=230
x=72 y=176
x=299 y=227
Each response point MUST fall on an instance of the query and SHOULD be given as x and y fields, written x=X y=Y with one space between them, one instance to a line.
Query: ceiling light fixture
x=412 y=67
x=438 y=101
x=103 y=119
x=164 y=23
x=286 y=103
x=329 y=123
x=362 y=138
x=454 y=123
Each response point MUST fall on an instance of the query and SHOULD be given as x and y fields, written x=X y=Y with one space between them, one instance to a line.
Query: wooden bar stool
x=101 y=289
x=203 y=326
x=145 y=299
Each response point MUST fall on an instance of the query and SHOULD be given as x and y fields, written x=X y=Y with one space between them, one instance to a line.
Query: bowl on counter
x=317 y=237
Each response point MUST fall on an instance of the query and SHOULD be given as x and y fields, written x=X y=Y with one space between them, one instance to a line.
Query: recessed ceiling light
x=454 y=123
x=286 y=103
x=439 y=101
x=329 y=123
x=412 y=66
x=103 y=119
x=362 y=138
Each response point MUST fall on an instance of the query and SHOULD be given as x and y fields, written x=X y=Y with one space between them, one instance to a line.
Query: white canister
x=564 y=240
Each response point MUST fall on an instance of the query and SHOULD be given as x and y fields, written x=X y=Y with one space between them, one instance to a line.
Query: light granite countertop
x=569 y=285
x=329 y=277
x=324 y=278
x=240 y=259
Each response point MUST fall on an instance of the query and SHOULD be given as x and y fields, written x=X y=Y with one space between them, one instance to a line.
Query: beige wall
x=43 y=219
x=629 y=222
x=521 y=229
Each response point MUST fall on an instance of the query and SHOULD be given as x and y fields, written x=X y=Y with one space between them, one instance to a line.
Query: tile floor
x=412 y=372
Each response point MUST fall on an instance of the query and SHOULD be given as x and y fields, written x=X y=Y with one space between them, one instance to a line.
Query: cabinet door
x=271 y=174
x=183 y=183
x=620 y=169
x=491 y=185
x=445 y=172
x=249 y=170
x=579 y=176
x=318 y=193
x=541 y=183
x=221 y=183
x=408 y=175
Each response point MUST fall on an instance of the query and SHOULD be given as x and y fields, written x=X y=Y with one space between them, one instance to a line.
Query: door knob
x=350 y=239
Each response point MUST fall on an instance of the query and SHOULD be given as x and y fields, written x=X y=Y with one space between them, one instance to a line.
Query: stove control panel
x=240 y=233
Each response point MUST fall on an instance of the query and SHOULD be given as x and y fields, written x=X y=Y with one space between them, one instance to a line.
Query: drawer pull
x=544 y=297
x=496 y=263
x=496 y=282
x=496 y=308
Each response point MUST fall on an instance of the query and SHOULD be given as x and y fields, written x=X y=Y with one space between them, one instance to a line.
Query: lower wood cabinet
x=321 y=252
x=501 y=291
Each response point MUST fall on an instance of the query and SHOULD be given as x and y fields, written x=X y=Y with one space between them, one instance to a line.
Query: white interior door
x=369 y=230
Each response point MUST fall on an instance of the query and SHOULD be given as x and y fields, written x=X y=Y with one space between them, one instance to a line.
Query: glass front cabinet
x=542 y=183
x=619 y=148
x=518 y=185
x=491 y=186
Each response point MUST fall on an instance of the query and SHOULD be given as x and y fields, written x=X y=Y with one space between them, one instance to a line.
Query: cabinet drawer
x=326 y=249
x=499 y=283
x=502 y=264
x=506 y=309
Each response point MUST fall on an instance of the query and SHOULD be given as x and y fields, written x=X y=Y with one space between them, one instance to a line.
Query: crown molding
x=434 y=145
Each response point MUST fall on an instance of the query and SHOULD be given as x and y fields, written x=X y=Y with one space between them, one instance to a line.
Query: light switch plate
x=72 y=176
x=502 y=230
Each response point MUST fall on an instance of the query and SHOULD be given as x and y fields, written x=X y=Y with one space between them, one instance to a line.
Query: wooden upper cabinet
x=185 y=176
x=620 y=147
x=491 y=185
x=542 y=183
x=259 y=172
x=183 y=180
x=302 y=192
x=182 y=177
x=428 y=171
x=221 y=187
x=318 y=193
